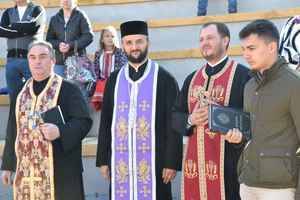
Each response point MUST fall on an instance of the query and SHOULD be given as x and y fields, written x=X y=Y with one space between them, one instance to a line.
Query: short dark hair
x=221 y=28
x=262 y=28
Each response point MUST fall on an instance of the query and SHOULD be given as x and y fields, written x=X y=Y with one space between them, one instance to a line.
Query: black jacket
x=20 y=33
x=78 y=29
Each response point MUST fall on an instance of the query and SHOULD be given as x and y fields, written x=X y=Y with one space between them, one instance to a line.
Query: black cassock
x=66 y=149
x=232 y=151
x=168 y=144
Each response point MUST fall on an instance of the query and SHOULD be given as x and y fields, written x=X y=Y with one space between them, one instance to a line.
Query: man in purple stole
x=137 y=150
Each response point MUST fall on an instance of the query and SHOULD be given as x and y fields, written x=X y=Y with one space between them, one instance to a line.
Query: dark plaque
x=222 y=119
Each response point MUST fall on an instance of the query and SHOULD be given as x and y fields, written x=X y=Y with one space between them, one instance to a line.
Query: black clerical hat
x=134 y=28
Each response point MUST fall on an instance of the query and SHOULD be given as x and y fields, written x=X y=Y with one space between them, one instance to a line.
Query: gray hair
x=45 y=44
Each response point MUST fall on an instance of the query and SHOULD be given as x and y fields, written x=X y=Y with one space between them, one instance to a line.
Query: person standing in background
x=69 y=30
x=21 y=24
x=202 y=7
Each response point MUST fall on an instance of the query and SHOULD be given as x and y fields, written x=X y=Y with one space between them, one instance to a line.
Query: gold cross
x=144 y=148
x=145 y=191
x=144 y=105
x=121 y=191
x=123 y=106
x=122 y=148
x=33 y=119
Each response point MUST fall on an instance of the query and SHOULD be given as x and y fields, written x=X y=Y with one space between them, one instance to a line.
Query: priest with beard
x=137 y=150
x=45 y=152
x=210 y=158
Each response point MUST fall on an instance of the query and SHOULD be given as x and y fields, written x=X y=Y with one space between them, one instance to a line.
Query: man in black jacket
x=20 y=24
x=45 y=154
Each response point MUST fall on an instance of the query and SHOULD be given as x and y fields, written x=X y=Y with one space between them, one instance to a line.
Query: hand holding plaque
x=222 y=119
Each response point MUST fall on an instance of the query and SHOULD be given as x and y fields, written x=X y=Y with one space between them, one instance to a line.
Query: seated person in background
x=108 y=57
x=289 y=46
x=202 y=7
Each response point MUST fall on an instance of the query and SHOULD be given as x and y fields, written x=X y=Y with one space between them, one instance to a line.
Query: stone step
x=160 y=56
x=183 y=33
x=56 y=3
x=109 y=11
x=167 y=55
x=182 y=63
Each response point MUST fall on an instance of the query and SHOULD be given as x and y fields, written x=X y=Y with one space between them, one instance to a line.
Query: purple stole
x=133 y=136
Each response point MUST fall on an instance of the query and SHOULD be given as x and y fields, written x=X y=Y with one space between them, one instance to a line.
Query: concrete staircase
x=174 y=30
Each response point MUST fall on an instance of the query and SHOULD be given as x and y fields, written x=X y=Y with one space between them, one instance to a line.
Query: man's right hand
x=104 y=170
x=199 y=116
x=6 y=177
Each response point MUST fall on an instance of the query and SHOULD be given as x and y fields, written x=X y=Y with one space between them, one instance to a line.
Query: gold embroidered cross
x=145 y=191
x=144 y=105
x=144 y=148
x=121 y=148
x=123 y=106
x=121 y=192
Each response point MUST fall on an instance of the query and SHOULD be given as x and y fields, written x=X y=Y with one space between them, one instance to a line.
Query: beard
x=213 y=54
x=142 y=56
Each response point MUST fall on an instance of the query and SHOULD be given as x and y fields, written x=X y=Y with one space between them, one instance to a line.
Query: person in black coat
x=165 y=150
x=69 y=30
x=46 y=155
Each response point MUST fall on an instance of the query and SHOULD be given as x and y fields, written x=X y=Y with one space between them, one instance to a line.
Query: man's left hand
x=168 y=175
x=50 y=131
x=234 y=136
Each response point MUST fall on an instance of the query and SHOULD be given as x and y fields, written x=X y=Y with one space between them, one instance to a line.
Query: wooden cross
x=144 y=105
x=121 y=192
x=123 y=106
x=144 y=148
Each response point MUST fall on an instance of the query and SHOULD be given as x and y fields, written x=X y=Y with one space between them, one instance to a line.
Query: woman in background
x=69 y=30
x=108 y=58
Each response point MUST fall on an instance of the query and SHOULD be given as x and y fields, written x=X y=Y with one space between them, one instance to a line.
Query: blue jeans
x=16 y=73
x=60 y=70
x=202 y=6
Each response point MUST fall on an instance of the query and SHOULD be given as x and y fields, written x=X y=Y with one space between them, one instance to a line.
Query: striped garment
x=289 y=45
